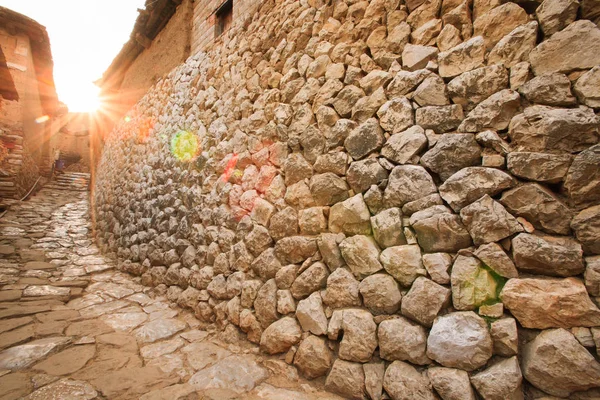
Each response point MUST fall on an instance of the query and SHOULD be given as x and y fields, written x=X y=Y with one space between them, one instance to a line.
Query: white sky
x=85 y=36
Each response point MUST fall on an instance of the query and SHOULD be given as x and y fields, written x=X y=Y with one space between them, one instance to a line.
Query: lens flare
x=127 y=118
x=42 y=119
x=229 y=167
x=185 y=146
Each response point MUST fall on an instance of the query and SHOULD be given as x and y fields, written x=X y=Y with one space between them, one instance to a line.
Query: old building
x=29 y=110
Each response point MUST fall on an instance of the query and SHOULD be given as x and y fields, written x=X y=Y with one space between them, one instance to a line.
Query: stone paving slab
x=73 y=327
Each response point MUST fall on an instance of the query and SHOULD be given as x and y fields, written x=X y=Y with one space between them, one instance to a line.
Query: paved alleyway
x=72 y=326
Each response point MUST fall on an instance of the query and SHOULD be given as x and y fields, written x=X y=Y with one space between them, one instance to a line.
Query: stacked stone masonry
x=400 y=198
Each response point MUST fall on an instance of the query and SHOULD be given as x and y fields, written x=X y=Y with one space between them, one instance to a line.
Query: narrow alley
x=73 y=327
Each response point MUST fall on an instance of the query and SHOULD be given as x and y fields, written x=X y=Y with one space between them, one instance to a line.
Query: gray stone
x=327 y=189
x=311 y=316
x=365 y=139
x=387 y=228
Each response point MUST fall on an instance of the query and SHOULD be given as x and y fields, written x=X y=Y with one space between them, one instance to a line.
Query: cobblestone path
x=73 y=327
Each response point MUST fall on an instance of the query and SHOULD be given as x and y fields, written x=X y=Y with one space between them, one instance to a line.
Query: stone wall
x=395 y=196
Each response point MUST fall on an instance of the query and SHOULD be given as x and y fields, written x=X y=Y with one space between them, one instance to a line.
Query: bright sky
x=85 y=36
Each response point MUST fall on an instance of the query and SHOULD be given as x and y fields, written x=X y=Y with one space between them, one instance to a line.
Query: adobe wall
x=169 y=49
x=398 y=197
x=18 y=124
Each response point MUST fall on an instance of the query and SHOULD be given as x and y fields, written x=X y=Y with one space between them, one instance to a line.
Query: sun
x=80 y=98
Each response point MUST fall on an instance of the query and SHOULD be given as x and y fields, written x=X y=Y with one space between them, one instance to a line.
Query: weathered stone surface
x=403 y=263
x=380 y=294
x=469 y=184
x=451 y=383
x=556 y=363
x=555 y=15
x=440 y=118
x=396 y=115
x=463 y=57
x=313 y=357
x=311 y=316
x=330 y=251
x=238 y=373
x=495 y=112
x=442 y=232
x=431 y=92
x=346 y=379
x=19 y=357
x=408 y=183
x=452 y=152
x=374 y=373
x=540 y=128
x=265 y=303
x=472 y=87
x=516 y=46
x=406 y=81
x=387 y=228
x=351 y=217
x=159 y=329
x=472 y=285
x=326 y=189
x=67 y=361
x=415 y=57
x=64 y=389
x=547 y=255
x=505 y=336
x=541 y=167
x=424 y=301
x=403 y=382
x=365 y=139
x=359 y=329
x=437 y=265
x=342 y=290
x=550 y=303
x=362 y=174
x=403 y=146
x=492 y=255
x=592 y=275
x=280 y=336
x=362 y=255
x=295 y=249
x=540 y=207
x=400 y=339
x=583 y=179
x=586 y=226
x=500 y=381
x=549 y=89
x=460 y=340
x=488 y=221
x=587 y=88
x=310 y=280
x=498 y=22
x=575 y=47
